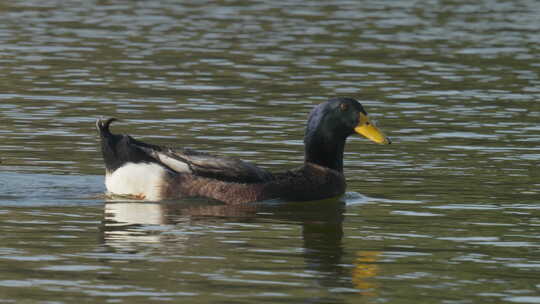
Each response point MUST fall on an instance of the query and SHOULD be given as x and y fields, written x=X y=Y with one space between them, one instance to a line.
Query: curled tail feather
x=103 y=126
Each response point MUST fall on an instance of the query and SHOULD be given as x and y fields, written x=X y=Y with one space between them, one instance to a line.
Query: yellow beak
x=370 y=131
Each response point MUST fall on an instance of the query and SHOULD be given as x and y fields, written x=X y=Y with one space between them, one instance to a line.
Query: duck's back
x=146 y=171
x=226 y=169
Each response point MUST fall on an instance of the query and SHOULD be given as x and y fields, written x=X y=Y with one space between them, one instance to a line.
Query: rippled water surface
x=447 y=214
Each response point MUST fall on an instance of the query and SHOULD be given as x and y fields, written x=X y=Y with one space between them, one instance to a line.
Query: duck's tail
x=120 y=149
x=103 y=126
x=111 y=145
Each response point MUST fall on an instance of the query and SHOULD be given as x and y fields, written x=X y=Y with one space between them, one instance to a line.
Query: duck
x=151 y=172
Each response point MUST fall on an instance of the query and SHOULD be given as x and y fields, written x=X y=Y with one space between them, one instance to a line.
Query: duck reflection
x=124 y=224
x=130 y=227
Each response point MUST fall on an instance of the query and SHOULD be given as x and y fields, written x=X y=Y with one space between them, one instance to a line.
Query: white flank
x=143 y=179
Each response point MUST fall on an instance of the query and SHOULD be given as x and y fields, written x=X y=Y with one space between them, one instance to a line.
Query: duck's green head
x=329 y=125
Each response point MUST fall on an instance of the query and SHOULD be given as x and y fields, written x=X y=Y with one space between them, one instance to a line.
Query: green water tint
x=446 y=214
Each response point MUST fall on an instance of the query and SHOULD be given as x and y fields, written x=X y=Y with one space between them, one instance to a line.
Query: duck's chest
x=318 y=182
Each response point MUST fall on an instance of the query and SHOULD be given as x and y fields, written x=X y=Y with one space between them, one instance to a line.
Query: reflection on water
x=365 y=267
x=123 y=223
x=129 y=227
x=449 y=213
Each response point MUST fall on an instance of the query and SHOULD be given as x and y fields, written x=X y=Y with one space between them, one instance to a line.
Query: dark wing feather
x=222 y=168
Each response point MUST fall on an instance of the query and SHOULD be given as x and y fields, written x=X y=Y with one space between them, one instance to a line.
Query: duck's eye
x=344 y=107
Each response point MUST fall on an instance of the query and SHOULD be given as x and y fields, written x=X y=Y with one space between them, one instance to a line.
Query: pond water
x=447 y=214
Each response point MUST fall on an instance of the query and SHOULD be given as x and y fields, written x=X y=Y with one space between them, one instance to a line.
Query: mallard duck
x=150 y=172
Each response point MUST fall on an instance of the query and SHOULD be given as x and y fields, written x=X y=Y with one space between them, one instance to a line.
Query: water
x=447 y=214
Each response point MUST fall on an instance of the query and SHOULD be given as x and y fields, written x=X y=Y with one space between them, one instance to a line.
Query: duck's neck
x=325 y=151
